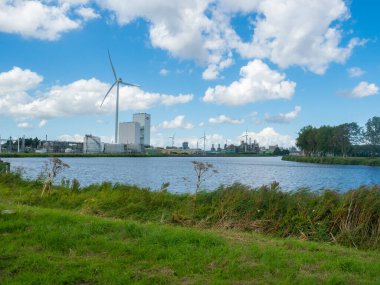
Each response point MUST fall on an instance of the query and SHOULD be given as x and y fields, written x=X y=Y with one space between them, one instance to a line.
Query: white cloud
x=268 y=136
x=257 y=83
x=223 y=119
x=36 y=19
x=299 y=32
x=87 y=13
x=81 y=97
x=364 y=89
x=177 y=123
x=18 y=80
x=283 y=117
x=169 y=100
x=164 y=72
x=295 y=32
x=71 y=138
x=355 y=72
x=24 y=125
x=42 y=123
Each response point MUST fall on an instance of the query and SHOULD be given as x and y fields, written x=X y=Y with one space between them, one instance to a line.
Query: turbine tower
x=172 y=138
x=117 y=82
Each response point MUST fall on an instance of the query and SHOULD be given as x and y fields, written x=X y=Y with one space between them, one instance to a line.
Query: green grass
x=334 y=160
x=351 y=218
x=48 y=246
x=121 y=234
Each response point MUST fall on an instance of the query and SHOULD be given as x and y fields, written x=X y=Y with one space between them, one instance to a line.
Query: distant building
x=92 y=144
x=129 y=133
x=144 y=120
x=185 y=145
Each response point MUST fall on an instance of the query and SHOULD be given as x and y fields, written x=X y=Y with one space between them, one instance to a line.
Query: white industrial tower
x=144 y=120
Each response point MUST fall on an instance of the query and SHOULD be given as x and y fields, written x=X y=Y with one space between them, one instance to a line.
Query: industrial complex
x=133 y=138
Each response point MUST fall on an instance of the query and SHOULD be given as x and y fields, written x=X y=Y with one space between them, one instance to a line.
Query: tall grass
x=351 y=218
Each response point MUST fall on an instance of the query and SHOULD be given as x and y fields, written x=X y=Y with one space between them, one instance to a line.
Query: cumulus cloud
x=355 y=72
x=257 y=83
x=177 y=123
x=288 y=33
x=24 y=125
x=202 y=30
x=45 y=20
x=364 y=89
x=283 y=117
x=268 y=136
x=299 y=32
x=169 y=100
x=42 y=123
x=81 y=97
x=223 y=119
x=87 y=13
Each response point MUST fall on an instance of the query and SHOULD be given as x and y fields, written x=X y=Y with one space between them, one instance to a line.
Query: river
x=178 y=171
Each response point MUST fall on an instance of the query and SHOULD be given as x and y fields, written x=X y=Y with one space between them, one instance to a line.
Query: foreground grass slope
x=49 y=246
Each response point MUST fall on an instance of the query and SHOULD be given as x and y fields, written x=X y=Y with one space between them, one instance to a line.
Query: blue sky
x=223 y=67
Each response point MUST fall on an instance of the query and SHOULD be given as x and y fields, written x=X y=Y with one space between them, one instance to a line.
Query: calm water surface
x=178 y=171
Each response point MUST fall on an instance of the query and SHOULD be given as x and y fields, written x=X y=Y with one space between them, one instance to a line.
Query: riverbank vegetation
x=369 y=161
x=350 y=219
x=122 y=234
x=343 y=140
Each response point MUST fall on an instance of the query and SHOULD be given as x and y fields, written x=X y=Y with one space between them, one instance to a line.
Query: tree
x=306 y=140
x=53 y=168
x=201 y=168
x=372 y=133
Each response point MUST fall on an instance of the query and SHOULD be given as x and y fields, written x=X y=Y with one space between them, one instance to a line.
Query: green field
x=120 y=234
x=334 y=160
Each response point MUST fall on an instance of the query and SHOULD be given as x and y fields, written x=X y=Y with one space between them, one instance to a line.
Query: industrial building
x=144 y=120
x=129 y=133
x=137 y=132
x=92 y=144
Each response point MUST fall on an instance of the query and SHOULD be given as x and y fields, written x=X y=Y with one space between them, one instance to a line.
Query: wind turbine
x=117 y=82
x=172 y=138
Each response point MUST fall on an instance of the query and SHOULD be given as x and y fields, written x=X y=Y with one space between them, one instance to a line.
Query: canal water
x=178 y=171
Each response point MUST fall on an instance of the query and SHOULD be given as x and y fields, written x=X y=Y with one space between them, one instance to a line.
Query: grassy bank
x=334 y=160
x=48 y=246
x=350 y=219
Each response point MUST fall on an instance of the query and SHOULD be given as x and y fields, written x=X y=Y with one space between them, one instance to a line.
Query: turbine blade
x=113 y=68
x=129 y=84
x=108 y=93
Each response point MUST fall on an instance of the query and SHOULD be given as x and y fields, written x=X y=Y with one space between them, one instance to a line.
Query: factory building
x=129 y=133
x=144 y=120
x=92 y=144
x=136 y=134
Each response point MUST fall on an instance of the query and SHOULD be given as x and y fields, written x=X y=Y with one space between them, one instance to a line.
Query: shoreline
x=366 y=161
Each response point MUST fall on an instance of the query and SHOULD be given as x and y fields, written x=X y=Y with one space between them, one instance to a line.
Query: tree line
x=347 y=139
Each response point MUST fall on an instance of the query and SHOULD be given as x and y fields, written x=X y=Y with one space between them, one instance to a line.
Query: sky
x=221 y=68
